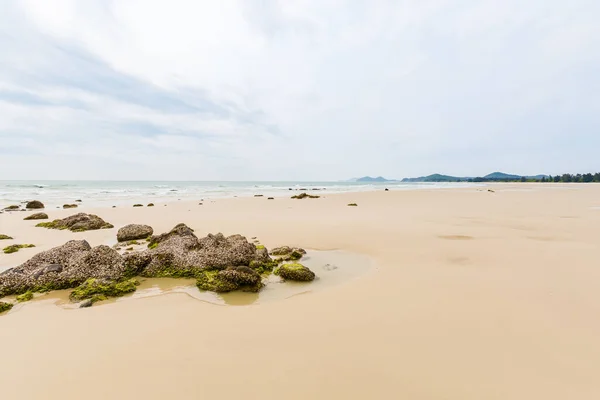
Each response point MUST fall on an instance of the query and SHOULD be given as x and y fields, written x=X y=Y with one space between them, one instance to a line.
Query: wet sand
x=474 y=295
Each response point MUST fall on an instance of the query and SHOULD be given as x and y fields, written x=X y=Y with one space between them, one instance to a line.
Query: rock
x=270 y=198
x=230 y=279
x=151 y=205
x=179 y=253
x=86 y=303
x=138 y=205
x=5 y=237
x=258 y=195
x=103 y=287
x=16 y=247
x=352 y=205
x=12 y=208
x=78 y=223
x=36 y=216
x=305 y=196
x=78 y=201
x=134 y=232
x=295 y=272
x=387 y=190
x=4 y=307
x=64 y=267
x=65 y=206
x=287 y=253
x=35 y=204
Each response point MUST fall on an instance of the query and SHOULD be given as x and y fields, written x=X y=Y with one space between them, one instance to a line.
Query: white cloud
x=297 y=90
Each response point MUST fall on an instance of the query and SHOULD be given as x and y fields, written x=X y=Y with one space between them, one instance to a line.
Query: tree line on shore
x=566 y=178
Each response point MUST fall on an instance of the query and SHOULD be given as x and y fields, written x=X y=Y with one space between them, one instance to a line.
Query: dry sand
x=475 y=295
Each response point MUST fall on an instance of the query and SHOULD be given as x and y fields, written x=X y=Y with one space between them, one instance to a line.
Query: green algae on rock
x=25 y=296
x=4 y=306
x=104 y=287
x=233 y=278
x=36 y=216
x=138 y=205
x=352 y=205
x=295 y=272
x=66 y=206
x=5 y=237
x=16 y=247
x=77 y=223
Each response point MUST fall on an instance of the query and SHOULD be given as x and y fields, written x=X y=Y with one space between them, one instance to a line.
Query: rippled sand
x=472 y=295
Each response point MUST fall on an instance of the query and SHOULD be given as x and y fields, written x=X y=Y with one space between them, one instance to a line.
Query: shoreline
x=474 y=295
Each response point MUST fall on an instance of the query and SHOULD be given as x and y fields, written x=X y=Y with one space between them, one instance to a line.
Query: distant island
x=371 y=179
x=503 y=177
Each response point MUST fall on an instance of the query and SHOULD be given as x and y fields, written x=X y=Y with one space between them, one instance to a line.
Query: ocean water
x=108 y=193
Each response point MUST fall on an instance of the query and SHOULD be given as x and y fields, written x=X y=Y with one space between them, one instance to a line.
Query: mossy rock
x=4 y=306
x=16 y=247
x=305 y=196
x=12 y=208
x=36 y=216
x=77 y=223
x=233 y=278
x=150 y=205
x=66 y=206
x=35 y=204
x=5 y=237
x=25 y=296
x=93 y=287
x=352 y=205
x=295 y=272
x=138 y=205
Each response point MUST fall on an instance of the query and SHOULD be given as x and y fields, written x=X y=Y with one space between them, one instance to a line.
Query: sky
x=297 y=90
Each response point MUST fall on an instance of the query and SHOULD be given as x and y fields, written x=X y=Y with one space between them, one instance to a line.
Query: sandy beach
x=474 y=294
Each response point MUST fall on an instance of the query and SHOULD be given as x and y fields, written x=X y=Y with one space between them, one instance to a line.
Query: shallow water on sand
x=331 y=267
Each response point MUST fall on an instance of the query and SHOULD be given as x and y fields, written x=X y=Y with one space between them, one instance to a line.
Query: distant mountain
x=493 y=177
x=501 y=175
x=370 y=179
x=436 y=178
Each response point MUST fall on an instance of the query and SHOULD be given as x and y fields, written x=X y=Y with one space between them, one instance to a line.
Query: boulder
x=295 y=272
x=36 y=216
x=134 y=232
x=78 y=223
x=35 y=204
x=64 y=267
x=180 y=253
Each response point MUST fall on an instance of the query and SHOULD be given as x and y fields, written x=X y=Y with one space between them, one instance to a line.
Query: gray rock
x=134 y=232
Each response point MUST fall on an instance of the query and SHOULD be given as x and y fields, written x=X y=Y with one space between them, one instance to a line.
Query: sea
x=109 y=193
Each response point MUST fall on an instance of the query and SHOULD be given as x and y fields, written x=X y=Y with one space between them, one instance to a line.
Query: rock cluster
x=134 y=232
x=78 y=223
x=219 y=263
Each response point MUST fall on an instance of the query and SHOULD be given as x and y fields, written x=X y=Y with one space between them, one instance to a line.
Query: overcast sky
x=297 y=90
